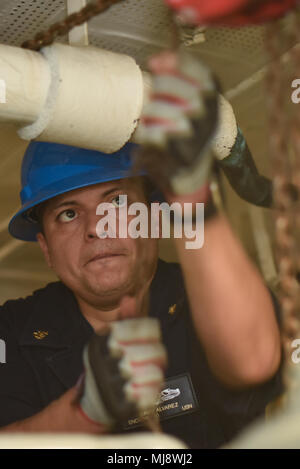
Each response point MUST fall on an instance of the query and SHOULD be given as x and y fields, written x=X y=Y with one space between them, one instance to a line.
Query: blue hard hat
x=50 y=169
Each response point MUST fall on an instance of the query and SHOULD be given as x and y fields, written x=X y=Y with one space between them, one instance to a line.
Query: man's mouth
x=107 y=255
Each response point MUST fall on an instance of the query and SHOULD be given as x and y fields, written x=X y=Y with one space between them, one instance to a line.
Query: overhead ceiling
x=138 y=28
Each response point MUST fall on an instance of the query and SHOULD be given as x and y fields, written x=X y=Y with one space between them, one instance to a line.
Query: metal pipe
x=78 y=36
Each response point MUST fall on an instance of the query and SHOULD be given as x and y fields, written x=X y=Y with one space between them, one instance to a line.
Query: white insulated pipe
x=27 y=78
x=81 y=96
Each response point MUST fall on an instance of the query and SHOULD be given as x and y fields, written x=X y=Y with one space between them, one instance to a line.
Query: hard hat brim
x=22 y=228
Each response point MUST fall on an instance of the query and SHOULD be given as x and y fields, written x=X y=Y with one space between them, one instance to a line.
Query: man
x=217 y=317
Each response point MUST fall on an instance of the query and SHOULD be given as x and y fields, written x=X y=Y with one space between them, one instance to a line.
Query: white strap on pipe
x=32 y=131
x=77 y=37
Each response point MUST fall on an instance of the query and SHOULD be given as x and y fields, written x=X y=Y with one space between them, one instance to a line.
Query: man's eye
x=67 y=215
x=119 y=201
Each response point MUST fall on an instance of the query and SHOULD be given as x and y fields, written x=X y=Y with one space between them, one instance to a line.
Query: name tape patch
x=177 y=398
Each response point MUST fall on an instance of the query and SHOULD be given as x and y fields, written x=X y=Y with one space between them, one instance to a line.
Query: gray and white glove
x=178 y=123
x=123 y=372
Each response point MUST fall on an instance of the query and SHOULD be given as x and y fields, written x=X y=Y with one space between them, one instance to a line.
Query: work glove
x=178 y=124
x=123 y=372
x=180 y=140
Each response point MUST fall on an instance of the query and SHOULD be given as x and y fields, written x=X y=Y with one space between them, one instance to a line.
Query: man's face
x=99 y=271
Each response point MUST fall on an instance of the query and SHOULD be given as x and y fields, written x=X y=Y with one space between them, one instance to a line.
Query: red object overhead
x=231 y=12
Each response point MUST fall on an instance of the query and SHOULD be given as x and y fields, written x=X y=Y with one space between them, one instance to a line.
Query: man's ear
x=44 y=247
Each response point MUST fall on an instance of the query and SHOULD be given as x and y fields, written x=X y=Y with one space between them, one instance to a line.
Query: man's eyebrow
x=76 y=202
x=66 y=202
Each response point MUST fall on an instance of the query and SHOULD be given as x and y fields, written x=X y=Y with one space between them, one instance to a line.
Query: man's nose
x=100 y=226
x=91 y=226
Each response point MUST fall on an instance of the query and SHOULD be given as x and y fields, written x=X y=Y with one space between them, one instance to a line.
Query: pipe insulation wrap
x=227 y=130
x=27 y=79
x=94 y=100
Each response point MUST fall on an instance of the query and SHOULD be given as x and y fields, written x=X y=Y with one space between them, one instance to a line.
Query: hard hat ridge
x=51 y=169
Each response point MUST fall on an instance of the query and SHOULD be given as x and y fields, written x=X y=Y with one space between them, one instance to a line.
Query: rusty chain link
x=46 y=38
x=285 y=159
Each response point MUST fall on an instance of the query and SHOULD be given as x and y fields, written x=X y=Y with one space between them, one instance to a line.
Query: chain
x=284 y=140
x=295 y=149
x=46 y=38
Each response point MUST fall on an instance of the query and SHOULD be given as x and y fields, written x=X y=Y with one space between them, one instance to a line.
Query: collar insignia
x=39 y=335
x=172 y=309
